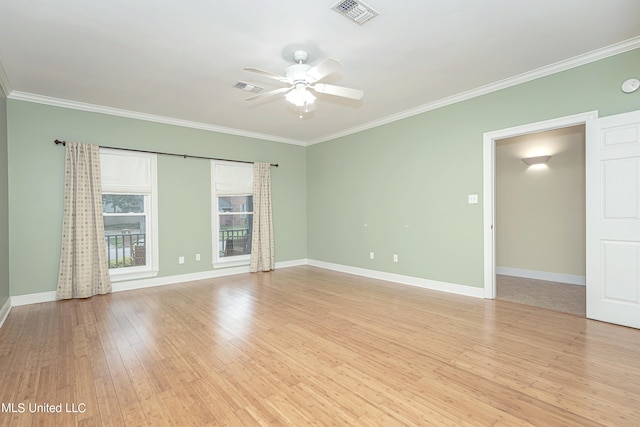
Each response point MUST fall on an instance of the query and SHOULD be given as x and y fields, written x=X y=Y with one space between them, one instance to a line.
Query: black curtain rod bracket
x=58 y=142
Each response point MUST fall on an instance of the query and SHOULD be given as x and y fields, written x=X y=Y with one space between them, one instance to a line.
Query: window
x=232 y=204
x=129 y=211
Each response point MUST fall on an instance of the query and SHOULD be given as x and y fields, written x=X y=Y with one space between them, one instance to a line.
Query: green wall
x=399 y=189
x=4 y=203
x=402 y=188
x=36 y=176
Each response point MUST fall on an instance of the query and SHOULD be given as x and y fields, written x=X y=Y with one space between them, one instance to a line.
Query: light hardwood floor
x=302 y=346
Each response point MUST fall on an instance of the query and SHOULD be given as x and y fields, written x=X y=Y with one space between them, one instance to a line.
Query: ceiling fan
x=302 y=79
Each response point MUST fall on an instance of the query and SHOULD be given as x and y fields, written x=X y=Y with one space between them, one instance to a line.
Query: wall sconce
x=539 y=160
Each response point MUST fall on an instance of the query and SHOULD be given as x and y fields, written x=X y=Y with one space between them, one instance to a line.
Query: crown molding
x=4 y=81
x=93 y=108
x=557 y=67
x=548 y=70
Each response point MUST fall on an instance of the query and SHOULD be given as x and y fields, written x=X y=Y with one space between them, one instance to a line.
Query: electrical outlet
x=180 y=260
x=473 y=199
x=395 y=257
x=370 y=255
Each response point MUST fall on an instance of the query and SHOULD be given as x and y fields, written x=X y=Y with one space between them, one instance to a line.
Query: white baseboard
x=33 y=298
x=130 y=285
x=542 y=275
x=405 y=280
x=4 y=311
x=189 y=277
x=293 y=263
x=152 y=282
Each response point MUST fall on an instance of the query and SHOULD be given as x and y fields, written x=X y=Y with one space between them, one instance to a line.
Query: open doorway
x=540 y=230
x=588 y=120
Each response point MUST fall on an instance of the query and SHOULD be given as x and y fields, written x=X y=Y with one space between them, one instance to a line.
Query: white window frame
x=150 y=193
x=230 y=261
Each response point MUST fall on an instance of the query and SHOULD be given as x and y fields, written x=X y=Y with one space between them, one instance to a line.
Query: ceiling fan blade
x=344 y=92
x=323 y=69
x=266 y=74
x=270 y=93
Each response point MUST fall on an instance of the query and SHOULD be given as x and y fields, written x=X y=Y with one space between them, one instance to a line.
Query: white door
x=613 y=220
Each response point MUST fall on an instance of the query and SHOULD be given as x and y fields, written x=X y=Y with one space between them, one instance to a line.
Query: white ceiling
x=177 y=61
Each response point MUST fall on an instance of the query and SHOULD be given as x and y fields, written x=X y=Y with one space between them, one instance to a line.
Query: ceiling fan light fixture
x=300 y=96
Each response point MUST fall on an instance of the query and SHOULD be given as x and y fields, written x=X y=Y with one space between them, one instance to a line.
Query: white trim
x=180 y=278
x=4 y=81
x=122 y=275
x=542 y=275
x=405 y=280
x=489 y=143
x=292 y=263
x=547 y=70
x=452 y=288
x=211 y=274
x=488 y=187
x=37 y=298
x=74 y=105
x=245 y=261
x=190 y=277
x=4 y=311
x=153 y=282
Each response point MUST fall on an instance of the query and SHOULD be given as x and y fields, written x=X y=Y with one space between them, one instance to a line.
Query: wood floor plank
x=481 y=392
x=307 y=346
x=155 y=412
x=109 y=407
x=68 y=394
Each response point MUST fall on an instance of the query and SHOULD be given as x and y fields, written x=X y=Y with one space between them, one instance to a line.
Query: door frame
x=588 y=119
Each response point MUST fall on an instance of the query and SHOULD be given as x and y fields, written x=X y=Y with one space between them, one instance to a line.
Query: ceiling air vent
x=355 y=11
x=248 y=87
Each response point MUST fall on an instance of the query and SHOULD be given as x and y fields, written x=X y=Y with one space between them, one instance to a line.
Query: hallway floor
x=556 y=296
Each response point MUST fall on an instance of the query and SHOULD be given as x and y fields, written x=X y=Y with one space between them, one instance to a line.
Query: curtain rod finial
x=57 y=142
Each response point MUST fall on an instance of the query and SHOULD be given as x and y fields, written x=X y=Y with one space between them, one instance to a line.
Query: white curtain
x=262 y=250
x=83 y=260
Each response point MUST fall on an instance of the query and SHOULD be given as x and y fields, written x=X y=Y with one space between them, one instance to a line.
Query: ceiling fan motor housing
x=300 y=56
x=298 y=73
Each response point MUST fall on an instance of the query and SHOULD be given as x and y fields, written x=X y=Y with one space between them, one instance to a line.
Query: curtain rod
x=57 y=142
